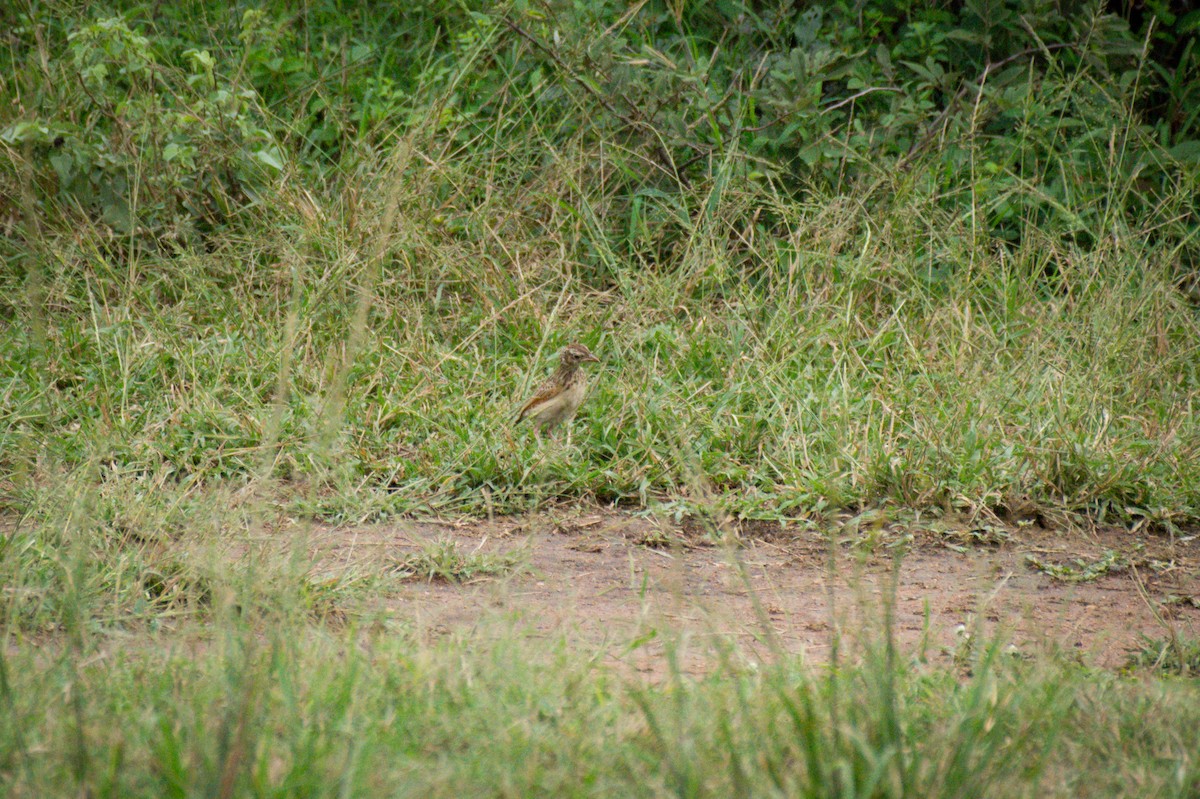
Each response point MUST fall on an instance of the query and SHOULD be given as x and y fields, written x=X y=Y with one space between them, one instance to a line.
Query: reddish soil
x=632 y=587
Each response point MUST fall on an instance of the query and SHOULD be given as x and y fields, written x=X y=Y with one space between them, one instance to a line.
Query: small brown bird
x=557 y=399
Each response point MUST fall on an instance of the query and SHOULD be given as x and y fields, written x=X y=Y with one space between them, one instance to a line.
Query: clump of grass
x=1173 y=654
x=448 y=561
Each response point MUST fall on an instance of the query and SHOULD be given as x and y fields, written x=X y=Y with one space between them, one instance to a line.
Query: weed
x=445 y=560
x=1171 y=655
x=1081 y=570
x=962 y=539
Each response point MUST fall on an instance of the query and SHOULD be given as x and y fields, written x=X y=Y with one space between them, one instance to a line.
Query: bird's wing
x=548 y=389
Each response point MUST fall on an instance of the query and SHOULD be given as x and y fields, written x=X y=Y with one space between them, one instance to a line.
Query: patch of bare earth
x=633 y=588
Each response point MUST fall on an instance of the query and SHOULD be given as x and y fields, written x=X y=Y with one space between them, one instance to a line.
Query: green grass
x=287 y=268
x=297 y=712
x=821 y=378
x=362 y=335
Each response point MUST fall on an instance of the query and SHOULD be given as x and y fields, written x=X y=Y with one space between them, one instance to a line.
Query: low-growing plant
x=149 y=151
x=1081 y=570
x=1173 y=654
x=448 y=561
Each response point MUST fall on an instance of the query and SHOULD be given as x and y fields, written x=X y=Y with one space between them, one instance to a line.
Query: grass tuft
x=1176 y=654
x=447 y=561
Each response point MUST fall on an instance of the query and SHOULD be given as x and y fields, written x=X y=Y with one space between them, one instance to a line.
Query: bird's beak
x=591 y=357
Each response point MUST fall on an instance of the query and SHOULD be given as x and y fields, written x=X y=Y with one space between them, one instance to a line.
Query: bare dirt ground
x=633 y=587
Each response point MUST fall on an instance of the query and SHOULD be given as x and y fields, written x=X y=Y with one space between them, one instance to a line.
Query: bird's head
x=576 y=353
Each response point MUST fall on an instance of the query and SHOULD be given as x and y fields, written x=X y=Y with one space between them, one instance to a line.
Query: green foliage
x=174 y=122
x=1013 y=105
x=146 y=148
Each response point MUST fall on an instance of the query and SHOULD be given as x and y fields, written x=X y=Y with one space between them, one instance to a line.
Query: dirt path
x=603 y=578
